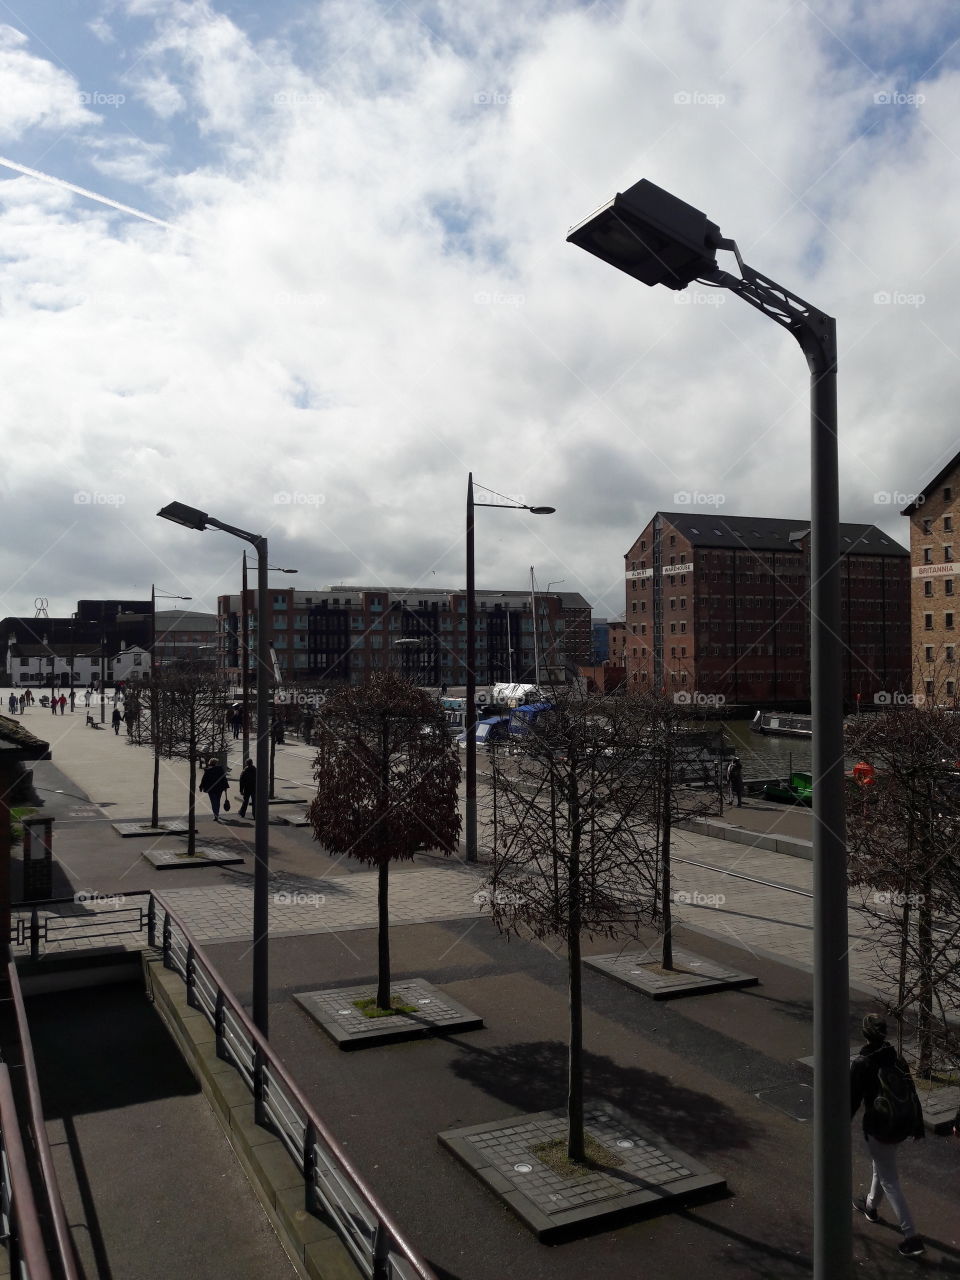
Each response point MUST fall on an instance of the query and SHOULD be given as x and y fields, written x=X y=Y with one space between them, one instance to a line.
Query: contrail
x=90 y=195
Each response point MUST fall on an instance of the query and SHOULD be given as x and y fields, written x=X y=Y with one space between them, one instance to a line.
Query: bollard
x=37 y=861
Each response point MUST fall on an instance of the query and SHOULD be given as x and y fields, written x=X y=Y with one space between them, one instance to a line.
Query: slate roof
x=764 y=533
x=18 y=743
x=937 y=480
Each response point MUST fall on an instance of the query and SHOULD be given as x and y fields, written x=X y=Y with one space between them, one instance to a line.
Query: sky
x=352 y=287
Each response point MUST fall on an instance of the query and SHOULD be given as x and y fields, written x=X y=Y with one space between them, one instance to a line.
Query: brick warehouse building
x=934 y=603
x=344 y=633
x=719 y=605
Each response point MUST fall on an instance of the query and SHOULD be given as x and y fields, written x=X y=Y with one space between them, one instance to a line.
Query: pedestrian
x=236 y=720
x=214 y=782
x=86 y=698
x=53 y=702
x=306 y=727
x=12 y=704
x=735 y=781
x=73 y=699
x=276 y=732
x=23 y=703
x=247 y=783
x=116 y=720
x=130 y=717
x=62 y=701
x=881 y=1081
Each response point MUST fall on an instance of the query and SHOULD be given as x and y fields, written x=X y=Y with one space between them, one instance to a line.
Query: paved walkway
x=757 y=917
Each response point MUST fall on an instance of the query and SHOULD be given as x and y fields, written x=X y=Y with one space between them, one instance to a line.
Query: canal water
x=766 y=755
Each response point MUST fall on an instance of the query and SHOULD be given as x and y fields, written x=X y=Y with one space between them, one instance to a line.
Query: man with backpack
x=881 y=1081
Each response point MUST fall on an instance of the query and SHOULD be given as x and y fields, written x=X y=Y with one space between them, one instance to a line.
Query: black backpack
x=895 y=1114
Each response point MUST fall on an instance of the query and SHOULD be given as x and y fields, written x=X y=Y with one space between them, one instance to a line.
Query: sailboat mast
x=533 y=610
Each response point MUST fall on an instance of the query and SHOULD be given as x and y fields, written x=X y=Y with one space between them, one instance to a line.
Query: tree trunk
x=575 y=1145
x=902 y=975
x=666 y=958
x=155 y=804
x=192 y=808
x=383 y=936
x=925 y=984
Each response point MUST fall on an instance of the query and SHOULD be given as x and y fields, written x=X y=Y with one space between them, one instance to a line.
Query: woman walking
x=214 y=782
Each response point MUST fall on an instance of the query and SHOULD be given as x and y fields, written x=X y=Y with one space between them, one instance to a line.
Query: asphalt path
x=689 y=1069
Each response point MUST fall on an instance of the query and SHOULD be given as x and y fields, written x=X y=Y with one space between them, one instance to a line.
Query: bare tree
x=903 y=829
x=387 y=777
x=683 y=750
x=574 y=851
x=192 y=707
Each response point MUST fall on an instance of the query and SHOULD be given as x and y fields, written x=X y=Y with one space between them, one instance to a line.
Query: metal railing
x=19 y=1219
x=56 y=920
x=331 y=1183
x=61 y=1242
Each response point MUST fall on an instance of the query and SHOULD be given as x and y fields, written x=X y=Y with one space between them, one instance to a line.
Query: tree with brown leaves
x=387 y=777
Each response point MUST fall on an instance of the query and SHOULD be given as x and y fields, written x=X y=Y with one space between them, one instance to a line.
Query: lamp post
x=656 y=238
x=191 y=518
x=245 y=654
x=470 y=711
x=156 y=595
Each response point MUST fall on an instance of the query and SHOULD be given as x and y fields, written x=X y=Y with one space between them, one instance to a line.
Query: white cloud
x=381 y=297
x=35 y=93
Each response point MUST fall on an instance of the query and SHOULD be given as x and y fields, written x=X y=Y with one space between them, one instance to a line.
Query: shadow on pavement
x=533 y=1077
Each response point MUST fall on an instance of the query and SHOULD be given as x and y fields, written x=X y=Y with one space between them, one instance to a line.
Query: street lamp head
x=541 y=511
x=651 y=235
x=180 y=513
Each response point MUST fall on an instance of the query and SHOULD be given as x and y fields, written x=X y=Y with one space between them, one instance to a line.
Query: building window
x=948 y=494
x=951 y=688
x=673 y=602
x=948 y=621
x=948 y=524
x=948 y=587
x=928 y=652
x=928 y=686
x=947 y=554
x=927 y=588
x=950 y=653
x=928 y=555
x=927 y=525
x=928 y=622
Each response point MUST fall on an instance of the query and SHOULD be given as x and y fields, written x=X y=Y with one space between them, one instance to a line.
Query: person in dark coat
x=247 y=783
x=876 y=1055
x=214 y=782
x=116 y=719
x=735 y=779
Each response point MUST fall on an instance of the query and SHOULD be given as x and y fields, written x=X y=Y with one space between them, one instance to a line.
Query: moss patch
x=554 y=1155
x=368 y=1007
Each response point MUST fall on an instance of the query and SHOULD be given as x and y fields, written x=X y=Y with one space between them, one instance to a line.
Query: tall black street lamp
x=245 y=654
x=191 y=518
x=470 y=711
x=156 y=595
x=658 y=239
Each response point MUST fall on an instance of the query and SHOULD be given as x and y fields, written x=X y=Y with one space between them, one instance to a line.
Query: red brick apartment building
x=719 y=605
x=934 y=602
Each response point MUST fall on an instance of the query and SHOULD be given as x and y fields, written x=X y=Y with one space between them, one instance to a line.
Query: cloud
x=378 y=296
x=35 y=92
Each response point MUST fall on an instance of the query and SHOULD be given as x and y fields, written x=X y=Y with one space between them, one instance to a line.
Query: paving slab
x=692 y=974
x=436 y=1014
x=652 y=1178
x=129 y=830
x=205 y=856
